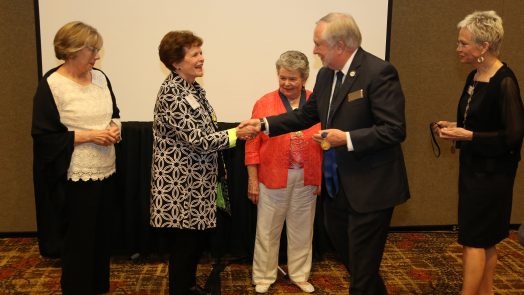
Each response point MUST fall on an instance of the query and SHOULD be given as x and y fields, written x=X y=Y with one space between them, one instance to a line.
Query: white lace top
x=86 y=107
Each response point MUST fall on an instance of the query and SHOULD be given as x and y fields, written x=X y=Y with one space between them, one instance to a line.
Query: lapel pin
x=352 y=74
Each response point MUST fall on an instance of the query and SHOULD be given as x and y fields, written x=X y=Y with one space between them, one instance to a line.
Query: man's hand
x=251 y=122
x=335 y=137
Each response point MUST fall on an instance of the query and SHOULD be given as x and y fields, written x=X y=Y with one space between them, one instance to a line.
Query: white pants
x=296 y=206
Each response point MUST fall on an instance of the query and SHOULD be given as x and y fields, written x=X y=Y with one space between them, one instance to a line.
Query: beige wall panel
x=423 y=38
x=423 y=42
x=18 y=80
x=512 y=53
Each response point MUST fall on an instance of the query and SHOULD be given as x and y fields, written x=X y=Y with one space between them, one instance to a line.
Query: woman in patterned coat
x=187 y=164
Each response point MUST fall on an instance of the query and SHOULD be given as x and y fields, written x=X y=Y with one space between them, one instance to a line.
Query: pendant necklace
x=471 y=91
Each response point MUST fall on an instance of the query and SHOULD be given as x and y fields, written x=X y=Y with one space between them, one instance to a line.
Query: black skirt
x=484 y=210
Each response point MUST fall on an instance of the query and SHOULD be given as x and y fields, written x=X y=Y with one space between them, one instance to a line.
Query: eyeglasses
x=93 y=49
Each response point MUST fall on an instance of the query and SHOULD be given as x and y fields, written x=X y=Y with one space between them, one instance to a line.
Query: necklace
x=289 y=108
x=471 y=91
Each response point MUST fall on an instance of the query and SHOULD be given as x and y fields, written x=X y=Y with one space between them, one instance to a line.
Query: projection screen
x=242 y=41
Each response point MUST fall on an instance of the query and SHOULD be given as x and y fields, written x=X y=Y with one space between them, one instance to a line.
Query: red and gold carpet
x=413 y=263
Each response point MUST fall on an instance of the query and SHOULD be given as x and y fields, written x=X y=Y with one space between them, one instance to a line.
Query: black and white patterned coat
x=185 y=152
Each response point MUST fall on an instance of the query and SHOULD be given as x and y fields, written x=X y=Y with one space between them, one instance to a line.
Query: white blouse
x=86 y=107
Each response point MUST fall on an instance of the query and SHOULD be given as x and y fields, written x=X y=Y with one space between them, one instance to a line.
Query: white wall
x=242 y=40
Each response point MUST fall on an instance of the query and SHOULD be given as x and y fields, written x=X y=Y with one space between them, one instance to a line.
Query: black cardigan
x=497 y=125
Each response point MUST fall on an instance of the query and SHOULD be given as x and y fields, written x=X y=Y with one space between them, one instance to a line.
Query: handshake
x=248 y=129
x=327 y=138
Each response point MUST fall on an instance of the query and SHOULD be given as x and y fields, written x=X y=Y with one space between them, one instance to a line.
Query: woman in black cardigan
x=75 y=126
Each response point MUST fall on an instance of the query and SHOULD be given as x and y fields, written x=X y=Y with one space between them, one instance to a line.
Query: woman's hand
x=246 y=132
x=115 y=130
x=446 y=124
x=253 y=190
x=455 y=133
x=437 y=126
x=317 y=190
x=103 y=137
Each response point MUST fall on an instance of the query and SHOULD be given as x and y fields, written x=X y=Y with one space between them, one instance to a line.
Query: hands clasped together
x=450 y=131
x=108 y=136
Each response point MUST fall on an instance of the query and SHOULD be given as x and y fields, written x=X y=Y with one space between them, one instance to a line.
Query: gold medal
x=324 y=144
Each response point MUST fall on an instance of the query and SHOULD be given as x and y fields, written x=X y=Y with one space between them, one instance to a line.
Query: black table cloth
x=235 y=234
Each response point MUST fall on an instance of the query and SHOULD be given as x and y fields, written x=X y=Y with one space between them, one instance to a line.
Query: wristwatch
x=262 y=124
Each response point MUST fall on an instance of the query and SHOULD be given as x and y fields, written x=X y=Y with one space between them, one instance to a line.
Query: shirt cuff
x=349 y=142
x=232 y=135
x=267 y=126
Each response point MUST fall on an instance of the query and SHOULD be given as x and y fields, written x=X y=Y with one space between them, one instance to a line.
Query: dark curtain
x=132 y=233
x=235 y=234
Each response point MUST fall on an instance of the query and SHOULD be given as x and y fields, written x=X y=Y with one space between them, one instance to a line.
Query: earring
x=480 y=59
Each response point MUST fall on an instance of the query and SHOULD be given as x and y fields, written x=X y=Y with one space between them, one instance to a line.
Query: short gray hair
x=485 y=26
x=341 y=27
x=294 y=60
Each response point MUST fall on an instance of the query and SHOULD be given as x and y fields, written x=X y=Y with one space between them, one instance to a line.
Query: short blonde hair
x=295 y=61
x=73 y=37
x=341 y=27
x=485 y=26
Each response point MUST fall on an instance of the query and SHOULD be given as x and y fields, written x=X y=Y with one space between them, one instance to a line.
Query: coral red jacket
x=271 y=154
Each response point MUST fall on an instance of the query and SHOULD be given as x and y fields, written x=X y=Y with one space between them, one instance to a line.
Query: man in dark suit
x=358 y=99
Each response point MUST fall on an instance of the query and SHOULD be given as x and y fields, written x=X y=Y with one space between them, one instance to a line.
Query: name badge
x=192 y=101
x=355 y=95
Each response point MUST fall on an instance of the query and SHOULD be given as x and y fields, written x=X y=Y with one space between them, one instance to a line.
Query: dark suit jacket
x=373 y=176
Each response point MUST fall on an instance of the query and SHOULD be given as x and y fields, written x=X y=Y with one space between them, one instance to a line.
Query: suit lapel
x=349 y=79
x=325 y=95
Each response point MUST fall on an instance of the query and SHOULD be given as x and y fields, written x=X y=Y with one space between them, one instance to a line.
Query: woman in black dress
x=488 y=131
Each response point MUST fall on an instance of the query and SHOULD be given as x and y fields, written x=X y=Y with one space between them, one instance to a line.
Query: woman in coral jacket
x=284 y=180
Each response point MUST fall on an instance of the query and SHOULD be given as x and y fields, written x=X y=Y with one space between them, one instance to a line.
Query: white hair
x=485 y=26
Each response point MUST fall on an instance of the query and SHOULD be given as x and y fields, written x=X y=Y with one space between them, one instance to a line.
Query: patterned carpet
x=414 y=263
